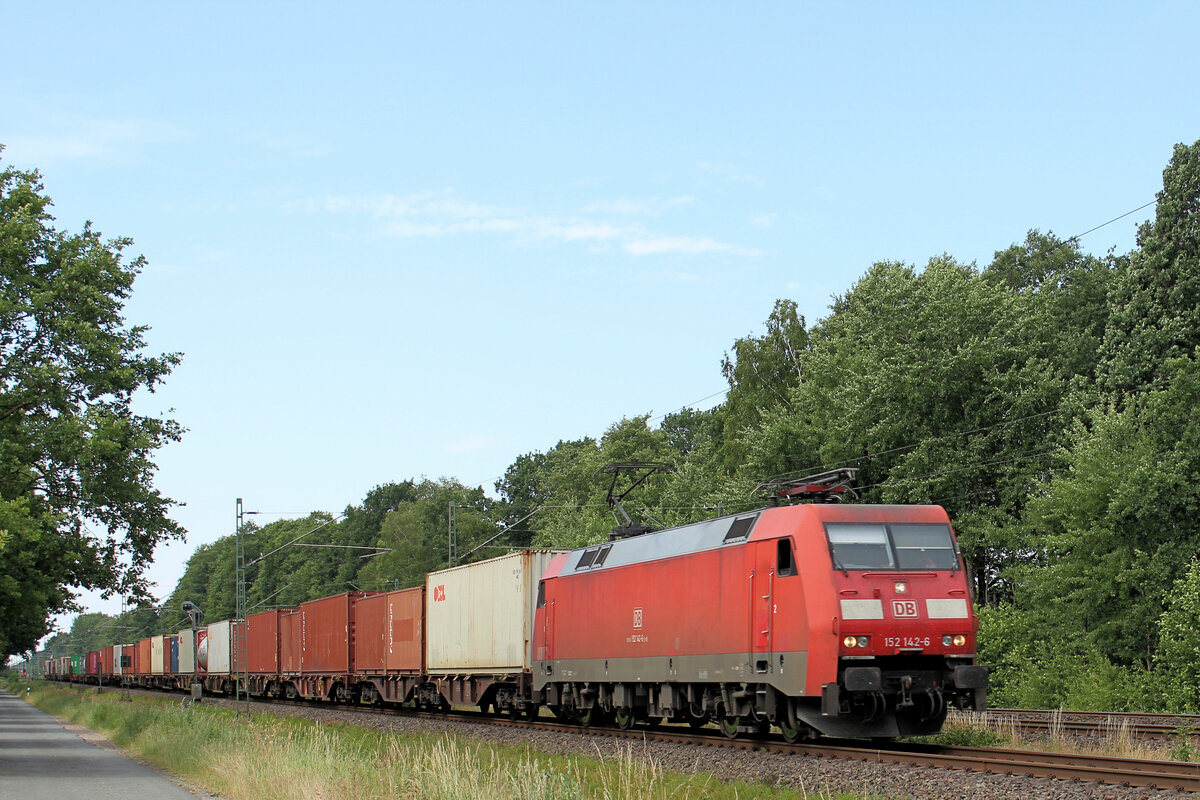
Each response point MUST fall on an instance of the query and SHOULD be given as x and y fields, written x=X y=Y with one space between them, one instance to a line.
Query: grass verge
x=289 y=757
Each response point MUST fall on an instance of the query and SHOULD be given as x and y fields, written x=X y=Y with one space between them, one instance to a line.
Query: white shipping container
x=218 y=647
x=157 y=644
x=187 y=660
x=479 y=617
x=117 y=659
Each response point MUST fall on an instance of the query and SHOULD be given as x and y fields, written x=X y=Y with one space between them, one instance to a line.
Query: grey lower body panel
x=783 y=671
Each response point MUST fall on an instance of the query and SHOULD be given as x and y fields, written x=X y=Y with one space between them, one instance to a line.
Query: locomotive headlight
x=901 y=587
x=850 y=641
x=947 y=640
x=960 y=640
x=862 y=641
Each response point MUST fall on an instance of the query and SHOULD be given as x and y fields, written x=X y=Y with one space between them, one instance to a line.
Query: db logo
x=637 y=618
x=439 y=595
x=904 y=608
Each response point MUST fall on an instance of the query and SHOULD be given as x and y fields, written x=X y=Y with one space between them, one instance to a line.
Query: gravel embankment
x=812 y=776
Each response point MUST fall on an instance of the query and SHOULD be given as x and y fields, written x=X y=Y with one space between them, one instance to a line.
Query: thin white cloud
x=762 y=220
x=88 y=139
x=434 y=214
x=647 y=207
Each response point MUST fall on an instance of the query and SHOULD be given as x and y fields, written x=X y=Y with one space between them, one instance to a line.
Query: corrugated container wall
x=107 y=660
x=289 y=642
x=187 y=653
x=93 y=663
x=406 y=630
x=370 y=634
x=173 y=665
x=219 y=639
x=479 y=617
x=262 y=641
x=144 y=661
x=327 y=634
x=158 y=646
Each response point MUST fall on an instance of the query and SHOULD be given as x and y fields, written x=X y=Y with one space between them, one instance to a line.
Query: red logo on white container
x=439 y=594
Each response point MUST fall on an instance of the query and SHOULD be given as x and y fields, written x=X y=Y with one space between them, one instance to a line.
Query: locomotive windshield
x=894 y=546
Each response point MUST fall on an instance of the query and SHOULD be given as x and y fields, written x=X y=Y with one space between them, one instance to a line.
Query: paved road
x=39 y=759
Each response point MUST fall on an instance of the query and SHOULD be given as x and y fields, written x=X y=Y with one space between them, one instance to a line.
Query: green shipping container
x=76 y=665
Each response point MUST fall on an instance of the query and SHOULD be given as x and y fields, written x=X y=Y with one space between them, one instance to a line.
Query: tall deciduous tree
x=1156 y=302
x=77 y=492
x=1120 y=515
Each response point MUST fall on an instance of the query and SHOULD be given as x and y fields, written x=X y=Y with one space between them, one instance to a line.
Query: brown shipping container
x=406 y=630
x=289 y=642
x=327 y=635
x=262 y=641
x=143 y=657
x=106 y=661
x=370 y=634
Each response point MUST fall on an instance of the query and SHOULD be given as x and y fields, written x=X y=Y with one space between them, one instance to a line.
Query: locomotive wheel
x=790 y=735
x=589 y=717
x=729 y=726
x=624 y=718
x=697 y=722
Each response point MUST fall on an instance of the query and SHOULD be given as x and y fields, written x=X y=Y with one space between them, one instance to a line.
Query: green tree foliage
x=1156 y=301
x=77 y=500
x=1178 y=655
x=416 y=533
x=938 y=386
x=762 y=371
x=1119 y=515
x=1119 y=521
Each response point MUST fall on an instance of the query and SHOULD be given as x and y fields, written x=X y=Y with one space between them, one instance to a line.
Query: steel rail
x=1093 y=723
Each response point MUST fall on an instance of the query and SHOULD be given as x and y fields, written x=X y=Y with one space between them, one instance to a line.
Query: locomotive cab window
x=892 y=546
x=858 y=546
x=785 y=563
x=924 y=547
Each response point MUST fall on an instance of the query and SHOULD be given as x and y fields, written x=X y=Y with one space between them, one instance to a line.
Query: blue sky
x=396 y=240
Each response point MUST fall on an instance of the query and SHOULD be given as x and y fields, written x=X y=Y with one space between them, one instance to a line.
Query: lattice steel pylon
x=451 y=536
x=242 y=684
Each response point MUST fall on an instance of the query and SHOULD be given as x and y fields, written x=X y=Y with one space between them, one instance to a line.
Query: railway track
x=1157 y=774
x=1096 y=724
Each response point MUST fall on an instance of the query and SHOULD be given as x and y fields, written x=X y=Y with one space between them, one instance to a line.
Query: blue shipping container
x=174 y=640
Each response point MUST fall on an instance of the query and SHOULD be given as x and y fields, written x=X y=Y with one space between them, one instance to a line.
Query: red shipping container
x=93 y=663
x=106 y=661
x=406 y=630
x=145 y=655
x=262 y=641
x=289 y=642
x=327 y=635
x=371 y=634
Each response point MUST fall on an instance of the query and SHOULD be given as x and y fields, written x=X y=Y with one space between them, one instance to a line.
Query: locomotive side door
x=762 y=604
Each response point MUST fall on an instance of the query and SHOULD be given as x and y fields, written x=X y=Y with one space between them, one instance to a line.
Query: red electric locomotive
x=843 y=620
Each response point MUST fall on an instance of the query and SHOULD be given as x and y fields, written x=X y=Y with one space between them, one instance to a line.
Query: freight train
x=818 y=619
